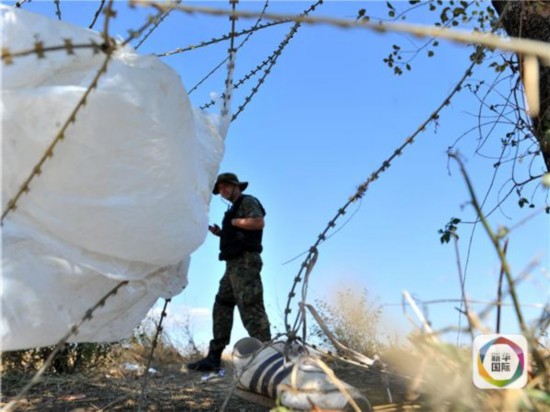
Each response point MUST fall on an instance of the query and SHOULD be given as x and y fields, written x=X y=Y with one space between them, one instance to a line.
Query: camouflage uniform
x=241 y=286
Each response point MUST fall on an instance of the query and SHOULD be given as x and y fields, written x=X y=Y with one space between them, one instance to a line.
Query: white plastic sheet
x=124 y=197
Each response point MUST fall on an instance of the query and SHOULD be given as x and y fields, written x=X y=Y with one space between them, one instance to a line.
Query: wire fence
x=294 y=330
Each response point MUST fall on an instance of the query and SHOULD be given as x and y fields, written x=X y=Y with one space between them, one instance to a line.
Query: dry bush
x=438 y=375
x=441 y=379
x=353 y=319
x=72 y=358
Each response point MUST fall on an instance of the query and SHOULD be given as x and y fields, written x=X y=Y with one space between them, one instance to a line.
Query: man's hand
x=215 y=230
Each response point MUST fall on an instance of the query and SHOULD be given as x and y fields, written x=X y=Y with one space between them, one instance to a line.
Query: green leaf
x=443 y=15
x=522 y=202
x=430 y=53
x=458 y=11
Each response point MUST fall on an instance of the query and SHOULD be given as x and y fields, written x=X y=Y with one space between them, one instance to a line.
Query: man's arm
x=248 y=223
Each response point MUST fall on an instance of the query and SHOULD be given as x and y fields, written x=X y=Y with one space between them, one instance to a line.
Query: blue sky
x=327 y=116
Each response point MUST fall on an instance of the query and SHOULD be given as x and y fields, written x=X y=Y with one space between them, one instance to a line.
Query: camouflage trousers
x=240 y=286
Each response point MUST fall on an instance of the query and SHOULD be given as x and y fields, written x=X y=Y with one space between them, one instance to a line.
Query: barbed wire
x=72 y=332
x=225 y=109
x=239 y=83
x=310 y=260
x=532 y=50
x=470 y=301
x=19 y=3
x=154 y=343
x=151 y=21
x=40 y=50
x=58 y=9
x=234 y=87
x=108 y=48
x=271 y=60
x=97 y=13
x=360 y=193
x=230 y=62
x=157 y=22
x=223 y=38
x=538 y=49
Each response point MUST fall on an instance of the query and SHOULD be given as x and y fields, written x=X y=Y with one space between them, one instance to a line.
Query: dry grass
x=430 y=376
x=114 y=387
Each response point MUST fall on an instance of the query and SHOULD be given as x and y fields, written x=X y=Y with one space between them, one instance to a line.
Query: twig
x=495 y=240
x=462 y=284
x=358 y=357
x=499 y=289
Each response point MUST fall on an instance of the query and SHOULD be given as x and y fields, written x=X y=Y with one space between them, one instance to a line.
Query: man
x=241 y=285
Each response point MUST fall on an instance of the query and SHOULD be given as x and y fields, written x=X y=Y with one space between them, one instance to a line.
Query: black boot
x=212 y=362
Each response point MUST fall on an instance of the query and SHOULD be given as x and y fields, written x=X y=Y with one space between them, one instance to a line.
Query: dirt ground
x=169 y=388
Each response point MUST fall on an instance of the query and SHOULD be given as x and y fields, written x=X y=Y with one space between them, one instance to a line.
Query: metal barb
x=143 y=396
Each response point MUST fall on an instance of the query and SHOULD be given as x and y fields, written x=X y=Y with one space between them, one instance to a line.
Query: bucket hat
x=228 y=178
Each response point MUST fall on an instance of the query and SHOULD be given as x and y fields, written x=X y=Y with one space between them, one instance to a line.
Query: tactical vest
x=235 y=241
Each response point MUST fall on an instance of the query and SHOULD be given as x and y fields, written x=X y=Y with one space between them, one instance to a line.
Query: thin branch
x=495 y=240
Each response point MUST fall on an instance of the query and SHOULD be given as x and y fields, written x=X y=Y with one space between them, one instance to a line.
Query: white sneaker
x=297 y=382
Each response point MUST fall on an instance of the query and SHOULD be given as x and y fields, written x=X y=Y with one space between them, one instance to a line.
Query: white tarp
x=124 y=197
